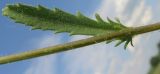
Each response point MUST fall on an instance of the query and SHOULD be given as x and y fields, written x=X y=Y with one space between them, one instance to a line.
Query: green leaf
x=60 y=21
x=120 y=42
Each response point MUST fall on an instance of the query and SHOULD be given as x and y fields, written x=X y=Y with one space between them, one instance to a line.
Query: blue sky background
x=96 y=59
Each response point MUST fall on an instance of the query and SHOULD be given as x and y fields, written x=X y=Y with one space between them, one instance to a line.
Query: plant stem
x=77 y=44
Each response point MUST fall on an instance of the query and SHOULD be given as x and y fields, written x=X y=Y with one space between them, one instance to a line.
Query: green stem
x=77 y=44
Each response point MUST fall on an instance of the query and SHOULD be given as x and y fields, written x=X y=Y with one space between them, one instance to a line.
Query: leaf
x=120 y=42
x=59 y=21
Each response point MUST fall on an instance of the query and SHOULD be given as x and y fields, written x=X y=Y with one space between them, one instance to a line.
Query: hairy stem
x=77 y=44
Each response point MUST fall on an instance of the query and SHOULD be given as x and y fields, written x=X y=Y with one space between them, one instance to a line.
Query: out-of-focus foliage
x=155 y=63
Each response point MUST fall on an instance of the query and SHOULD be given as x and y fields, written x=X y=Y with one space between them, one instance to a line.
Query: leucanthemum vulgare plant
x=60 y=21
